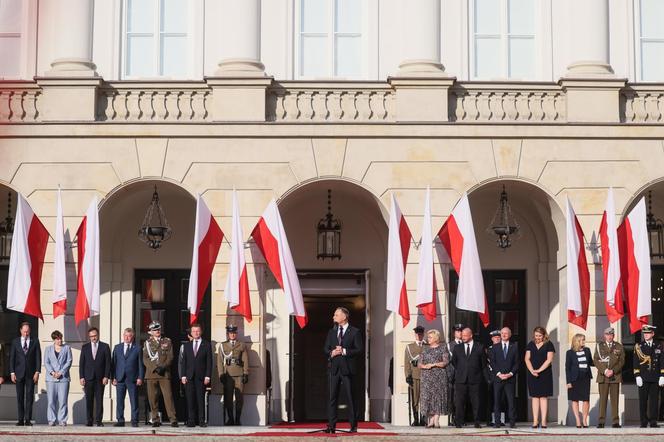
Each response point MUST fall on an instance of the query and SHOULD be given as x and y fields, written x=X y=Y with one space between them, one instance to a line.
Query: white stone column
x=72 y=55
x=588 y=38
x=420 y=37
x=240 y=24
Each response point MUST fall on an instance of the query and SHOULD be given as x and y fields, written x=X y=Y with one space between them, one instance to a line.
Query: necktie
x=94 y=351
x=341 y=335
x=195 y=347
x=126 y=349
x=505 y=350
x=25 y=346
x=467 y=350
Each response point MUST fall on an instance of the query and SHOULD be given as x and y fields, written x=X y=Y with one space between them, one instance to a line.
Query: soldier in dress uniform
x=649 y=373
x=412 y=371
x=157 y=358
x=609 y=359
x=495 y=339
x=233 y=363
x=457 y=329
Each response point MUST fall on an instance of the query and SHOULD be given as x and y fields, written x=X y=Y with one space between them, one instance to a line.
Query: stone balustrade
x=642 y=104
x=332 y=102
x=474 y=102
x=18 y=102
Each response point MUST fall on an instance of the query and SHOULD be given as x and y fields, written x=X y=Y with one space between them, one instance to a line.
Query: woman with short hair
x=539 y=357
x=58 y=360
x=578 y=361
x=433 y=379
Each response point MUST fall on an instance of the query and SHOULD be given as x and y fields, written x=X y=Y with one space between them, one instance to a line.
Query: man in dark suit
x=94 y=368
x=342 y=347
x=469 y=362
x=127 y=372
x=24 y=366
x=504 y=362
x=195 y=375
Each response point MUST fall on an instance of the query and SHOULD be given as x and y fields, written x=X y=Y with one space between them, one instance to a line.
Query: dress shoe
x=119 y=424
x=477 y=425
x=191 y=424
x=229 y=423
x=156 y=424
x=134 y=424
x=174 y=424
x=616 y=426
x=203 y=424
x=89 y=424
x=28 y=423
x=329 y=430
x=459 y=426
x=600 y=425
x=644 y=425
x=353 y=430
x=652 y=425
x=512 y=425
x=20 y=424
x=100 y=424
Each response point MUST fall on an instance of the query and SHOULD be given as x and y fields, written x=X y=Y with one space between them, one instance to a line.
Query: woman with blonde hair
x=578 y=361
x=539 y=357
x=433 y=379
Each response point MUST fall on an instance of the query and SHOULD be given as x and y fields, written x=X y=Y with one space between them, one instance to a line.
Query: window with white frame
x=651 y=40
x=503 y=39
x=156 y=42
x=330 y=39
x=10 y=38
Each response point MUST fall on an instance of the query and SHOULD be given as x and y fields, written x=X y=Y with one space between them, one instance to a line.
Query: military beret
x=419 y=329
x=154 y=325
x=494 y=333
x=648 y=328
x=231 y=328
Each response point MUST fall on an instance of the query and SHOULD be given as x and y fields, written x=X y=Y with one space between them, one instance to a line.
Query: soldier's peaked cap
x=231 y=328
x=648 y=328
x=419 y=329
x=154 y=325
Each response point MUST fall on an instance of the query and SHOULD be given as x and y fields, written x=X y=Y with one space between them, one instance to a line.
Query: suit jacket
x=609 y=358
x=25 y=364
x=351 y=342
x=469 y=369
x=499 y=363
x=197 y=367
x=572 y=364
x=127 y=368
x=98 y=368
x=61 y=363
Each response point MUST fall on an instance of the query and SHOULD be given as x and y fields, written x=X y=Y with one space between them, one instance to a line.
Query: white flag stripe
x=574 y=247
x=232 y=290
x=425 y=271
x=395 y=270
x=20 y=266
x=470 y=293
x=59 y=271
x=91 y=261
x=613 y=276
x=637 y=221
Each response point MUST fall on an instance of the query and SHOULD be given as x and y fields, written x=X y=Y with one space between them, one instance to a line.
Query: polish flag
x=608 y=235
x=26 y=261
x=578 y=275
x=635 y=265
x=207 y=241
x=426 y=280
x=87 y=297
x=270 y=238
x=59 y=271
x=458 y=238
x=237 y=286
x=398 y=246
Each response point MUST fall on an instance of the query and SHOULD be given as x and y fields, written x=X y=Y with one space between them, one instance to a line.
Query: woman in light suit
x=57 y=359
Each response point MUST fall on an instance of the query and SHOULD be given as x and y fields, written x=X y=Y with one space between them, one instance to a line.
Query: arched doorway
x=138 y=283
x=355 y=281
x=522 y=282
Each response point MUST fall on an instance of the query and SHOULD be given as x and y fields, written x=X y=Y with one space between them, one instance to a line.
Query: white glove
x=639 y=381
x=661 y=381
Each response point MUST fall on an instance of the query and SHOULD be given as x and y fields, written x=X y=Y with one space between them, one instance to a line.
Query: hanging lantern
x=504 y=224
x=655 y=231
x=329 y=233
x=155 y=228
x=6 y=232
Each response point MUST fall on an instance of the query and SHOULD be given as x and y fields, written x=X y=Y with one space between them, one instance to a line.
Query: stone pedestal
x=68 y=98
x=422 y=99
x=593 y=100
x=238 y=98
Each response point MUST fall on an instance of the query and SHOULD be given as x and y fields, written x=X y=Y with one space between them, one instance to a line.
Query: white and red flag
x=426 y=279
x=237 y=285
x=270 y=237
x=398 y=246
x=26 y=261
x=59 y=270
x=458 y=238
x=608 y=234
x=207 y=241
x=87 y=296
x=578 y=275
x=635 y=266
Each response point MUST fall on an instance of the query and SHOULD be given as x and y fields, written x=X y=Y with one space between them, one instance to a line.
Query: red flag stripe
x=244 y=307
x=82 y=308
x=207 y=255
x=629 y=270
x=584 y=282
x=269 y=247
x=613 y=313
x=37 y=241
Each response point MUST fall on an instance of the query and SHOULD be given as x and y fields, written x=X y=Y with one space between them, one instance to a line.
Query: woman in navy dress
x=539 y=357
x=578 y=361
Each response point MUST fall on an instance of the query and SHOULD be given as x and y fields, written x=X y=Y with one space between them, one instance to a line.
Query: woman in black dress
x=539 y=357
x=577 y=371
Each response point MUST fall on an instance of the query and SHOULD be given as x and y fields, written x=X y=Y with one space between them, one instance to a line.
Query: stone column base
x=421 y=98
x=238 y=98
x=68 y=98
x=593 y=99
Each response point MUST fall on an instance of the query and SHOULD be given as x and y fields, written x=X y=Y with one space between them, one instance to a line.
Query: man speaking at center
x=342 y=347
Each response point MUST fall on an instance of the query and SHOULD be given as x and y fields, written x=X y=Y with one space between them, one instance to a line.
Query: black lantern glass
x=6 y=232
x=504 y=224
x=329 y=233
x=155 y=228
x=655 y=231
